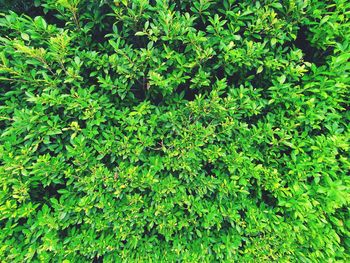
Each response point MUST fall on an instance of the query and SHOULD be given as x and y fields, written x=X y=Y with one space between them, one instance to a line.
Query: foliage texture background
x=163 y=131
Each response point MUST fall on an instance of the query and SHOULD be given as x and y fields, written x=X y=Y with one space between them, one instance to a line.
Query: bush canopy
x=174 y=131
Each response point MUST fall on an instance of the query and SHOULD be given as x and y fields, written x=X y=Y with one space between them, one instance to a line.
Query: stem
x=75 y=18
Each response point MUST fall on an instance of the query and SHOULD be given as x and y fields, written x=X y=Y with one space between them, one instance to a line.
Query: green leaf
x=273 y=41
x=40 y=22
x=25 y=36
x=281 y=79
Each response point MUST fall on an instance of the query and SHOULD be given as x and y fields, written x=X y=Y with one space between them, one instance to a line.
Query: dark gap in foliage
x=220 y=72
x=226 y=224
x=260 y=82
x=147 y=231
x=141 y=192
x=286 y=151
x=41 y=194
x=99 y=36
x=346 y=155
x=276 y=136
x=180 y=48
x=268 y=198
x=259 y=234
x=3 y=125
x=242 y=213
x=82 y=123
x=253 y=189
x=200 y=25
x=182 y=6
x=39 y=11
x=135 y=42
x=63 y=233
x=59 y=110
x=245 y=76
x=346 y=106
x=310 y=179
x=17 y=6
x=156 y=149
x=97 y=259
x=107 y=161
x=243 y=244
x=141 y=210
x=340 y=214
x=185 y=209
x=280 y=212
x=263 y=196
x=27 y=7
x=311 y=53
x=22 y=221
x=189 y=191
x=157 y=99
x=189 y=94
x=338 y=155
x=160 y=237
x=208 y=168
x=331 y=8
x=124 y=242
x=70 y=161
x=51 y=18
x=259 y=160
x=49 y=149
x=232 y=80
x=253 y=120
x=140 y=41
x=138 y=93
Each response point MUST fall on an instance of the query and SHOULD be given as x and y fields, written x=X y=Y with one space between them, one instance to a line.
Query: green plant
x=163 y=131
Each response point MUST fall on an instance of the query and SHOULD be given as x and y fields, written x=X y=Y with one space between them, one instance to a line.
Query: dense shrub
x=162 y=131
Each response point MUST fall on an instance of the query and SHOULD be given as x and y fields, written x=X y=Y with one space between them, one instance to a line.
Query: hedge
x=174 y=131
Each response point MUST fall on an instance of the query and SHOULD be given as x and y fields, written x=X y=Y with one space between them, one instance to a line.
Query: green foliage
x=163 y=131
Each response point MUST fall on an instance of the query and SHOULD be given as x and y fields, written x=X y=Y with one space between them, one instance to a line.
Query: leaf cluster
x=174 y=131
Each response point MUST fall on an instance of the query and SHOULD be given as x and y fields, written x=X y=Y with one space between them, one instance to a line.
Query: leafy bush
x=163 y=131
